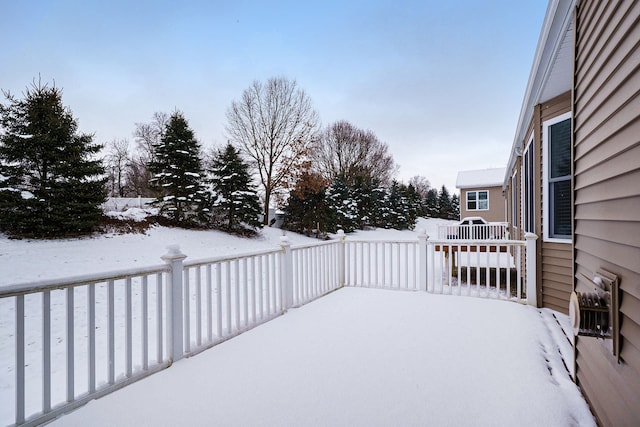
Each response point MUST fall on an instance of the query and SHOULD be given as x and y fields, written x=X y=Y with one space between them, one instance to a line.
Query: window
x=557 y=178
x=478 y=200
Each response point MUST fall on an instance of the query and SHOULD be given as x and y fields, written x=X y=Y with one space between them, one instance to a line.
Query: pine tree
x=177 y=175
x=307 y=211
x=431 y=203
x=444 y=204
x=455 y=204
x=398 y=208
x=235 y=201
x=413 y=204
x=343 y=208
x=50 y=183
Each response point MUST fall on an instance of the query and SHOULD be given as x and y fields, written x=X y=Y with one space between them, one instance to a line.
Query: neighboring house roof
x=480 y=178
x=551 y=70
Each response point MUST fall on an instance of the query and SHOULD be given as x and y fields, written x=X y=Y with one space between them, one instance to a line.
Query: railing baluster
x=498 y=281
x=260 y=286
x=209 y=304
x=273 y=289
x=245 y=292
x=384 y=263
x=91 y=334
x=186 y=302
x=487 y=272
x=518 y=262
x=145 y=322
x=468 y=270
x=508 y=271
x=218 y=287
x=160 y=329
x=227 y=294
x=128 y=328
x=198 y=306
x=70 y=346
x=397 y=264
x=111 y=358
x=46 y=351
x=236 y=271
x=254 y=303
x=20 y=370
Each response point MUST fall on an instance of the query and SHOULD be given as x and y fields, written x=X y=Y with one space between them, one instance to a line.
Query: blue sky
x=441 y=82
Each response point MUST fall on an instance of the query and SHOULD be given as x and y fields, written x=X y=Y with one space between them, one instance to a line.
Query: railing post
x=530 y=265
x=287 y=273
x=174 y=259
x=422 y=259
x=341 y=255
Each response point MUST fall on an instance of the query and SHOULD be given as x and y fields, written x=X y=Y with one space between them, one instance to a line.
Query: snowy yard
x=364 y=357
x=354 y=357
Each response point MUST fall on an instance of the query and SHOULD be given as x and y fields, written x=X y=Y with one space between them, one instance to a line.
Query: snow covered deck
x=365 y=357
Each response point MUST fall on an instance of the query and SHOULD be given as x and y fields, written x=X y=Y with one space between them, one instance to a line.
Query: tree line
x=52 y=182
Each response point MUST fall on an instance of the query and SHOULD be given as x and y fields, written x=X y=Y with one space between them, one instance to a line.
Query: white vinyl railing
x=490 y=231
x=81 y=323
x=382 y=264
x=113 y=329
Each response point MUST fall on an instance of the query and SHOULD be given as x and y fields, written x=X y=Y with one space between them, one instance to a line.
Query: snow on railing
x=490 y=231
x=80 y=338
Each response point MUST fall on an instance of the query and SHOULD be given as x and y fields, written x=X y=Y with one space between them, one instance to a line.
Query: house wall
x=556 y=258
x=496 y=212
x=607 y=196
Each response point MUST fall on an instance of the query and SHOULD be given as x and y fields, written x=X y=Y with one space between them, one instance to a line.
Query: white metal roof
x=480 y=178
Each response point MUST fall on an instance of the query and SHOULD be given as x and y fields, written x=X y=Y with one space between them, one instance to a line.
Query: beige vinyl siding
x=607 y=196
x=496 y=204
x=556 y=281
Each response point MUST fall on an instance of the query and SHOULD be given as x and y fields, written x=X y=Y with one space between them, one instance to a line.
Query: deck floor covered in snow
x=364 y=357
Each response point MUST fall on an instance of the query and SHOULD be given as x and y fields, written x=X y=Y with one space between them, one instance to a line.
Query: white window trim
x=523 y=190
x=466 y=201
x=545 y=178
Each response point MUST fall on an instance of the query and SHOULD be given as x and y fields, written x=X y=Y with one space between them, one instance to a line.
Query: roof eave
x=557 y=22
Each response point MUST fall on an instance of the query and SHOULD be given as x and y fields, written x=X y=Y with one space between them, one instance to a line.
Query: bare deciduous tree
x=117 y=161
x=146 y=135
x=421 y=184
x=346 y=152
x=273 y=125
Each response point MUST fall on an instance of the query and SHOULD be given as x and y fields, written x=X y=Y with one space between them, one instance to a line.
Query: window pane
x=482 y=195
x=483 y=205
x=561 y=196
x=560 y=146
x=471 y=206
x=471 y=196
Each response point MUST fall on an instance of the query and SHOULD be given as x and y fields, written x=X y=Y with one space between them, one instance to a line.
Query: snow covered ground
x=355 y=357
x=364 y=357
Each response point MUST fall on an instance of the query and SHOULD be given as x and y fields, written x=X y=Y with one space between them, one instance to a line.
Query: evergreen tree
x=397 y=216
x=235 y=201
x=431 y=203
x=445 y=207
x=342 y=206
x=307 y=211
x=455 y=204
x=177 y=176
x=414 y=204
x=50 y=183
